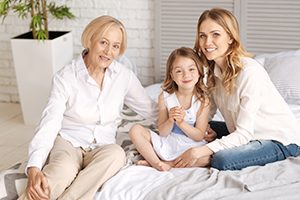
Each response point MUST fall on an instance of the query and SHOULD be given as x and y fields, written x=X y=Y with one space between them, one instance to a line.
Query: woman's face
x=213 y=41
x=104 y=50
x=185 y=73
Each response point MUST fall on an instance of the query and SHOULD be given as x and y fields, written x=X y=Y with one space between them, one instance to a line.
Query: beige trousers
x=77 y=174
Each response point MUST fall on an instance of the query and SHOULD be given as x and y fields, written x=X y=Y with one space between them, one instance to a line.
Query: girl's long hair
x=170 y=86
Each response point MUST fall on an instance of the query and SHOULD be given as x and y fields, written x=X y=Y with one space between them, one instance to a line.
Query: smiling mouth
x=209 y=50
x=103 y=58
x=186 y=81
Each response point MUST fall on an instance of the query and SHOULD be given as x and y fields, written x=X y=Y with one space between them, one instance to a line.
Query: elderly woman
x=73 y=151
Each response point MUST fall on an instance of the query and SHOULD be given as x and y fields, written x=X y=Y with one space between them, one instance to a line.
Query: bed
x=279 y=180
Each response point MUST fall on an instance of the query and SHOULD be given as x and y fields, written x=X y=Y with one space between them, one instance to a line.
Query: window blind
x=266 y=26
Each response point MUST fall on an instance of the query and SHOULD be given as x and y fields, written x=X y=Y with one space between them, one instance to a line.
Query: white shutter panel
x=176 y=26
x=271 y=25
x=266 y=26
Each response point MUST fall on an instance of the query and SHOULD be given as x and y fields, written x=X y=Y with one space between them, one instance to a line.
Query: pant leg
x=65 y=161
x=254 y=153
x=63 y=164
x=220 y=128
x=100 y=164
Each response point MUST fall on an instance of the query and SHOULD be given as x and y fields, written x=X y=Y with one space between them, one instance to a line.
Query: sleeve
x=49 y=125
x=138 y=100
x=249 y=96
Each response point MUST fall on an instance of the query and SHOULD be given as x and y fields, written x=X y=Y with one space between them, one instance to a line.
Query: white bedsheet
x=279 y=180
x=135 y=182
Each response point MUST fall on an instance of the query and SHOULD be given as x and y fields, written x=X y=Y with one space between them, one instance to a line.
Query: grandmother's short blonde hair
x=96 y=28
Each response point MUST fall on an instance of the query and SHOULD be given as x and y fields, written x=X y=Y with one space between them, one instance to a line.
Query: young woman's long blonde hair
x=235 y=51
x=170 y=86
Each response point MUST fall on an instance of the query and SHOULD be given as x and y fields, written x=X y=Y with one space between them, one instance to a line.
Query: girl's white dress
x=170 y=147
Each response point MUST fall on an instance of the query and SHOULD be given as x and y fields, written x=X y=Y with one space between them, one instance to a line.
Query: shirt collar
x=82 y=71
x=217 y=72
x=81 y=68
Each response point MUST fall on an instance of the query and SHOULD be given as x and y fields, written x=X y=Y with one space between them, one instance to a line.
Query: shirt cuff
x=34 y=161
x=215 y=146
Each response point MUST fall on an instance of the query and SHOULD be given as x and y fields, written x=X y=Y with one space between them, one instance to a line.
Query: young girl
x=183 y=113
x=262 y=127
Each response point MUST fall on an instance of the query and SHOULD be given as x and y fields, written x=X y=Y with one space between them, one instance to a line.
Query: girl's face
x=213 y=41
x=104 y=50
x=185 y=72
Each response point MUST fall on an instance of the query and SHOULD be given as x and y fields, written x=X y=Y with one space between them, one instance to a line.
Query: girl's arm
x=165 y=122
x=197 y=133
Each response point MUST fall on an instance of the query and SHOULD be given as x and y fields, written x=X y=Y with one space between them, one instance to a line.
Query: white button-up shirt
x=255 y=111
x=84 y=114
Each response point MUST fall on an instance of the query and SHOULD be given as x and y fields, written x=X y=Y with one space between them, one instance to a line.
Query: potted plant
x=39 y=53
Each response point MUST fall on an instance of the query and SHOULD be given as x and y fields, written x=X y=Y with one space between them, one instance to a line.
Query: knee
x=62 y=163
x=220 y=161
x=117 y=151
x=135 y=131
x=117 y=154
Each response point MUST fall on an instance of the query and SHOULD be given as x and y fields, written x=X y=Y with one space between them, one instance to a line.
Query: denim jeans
x=256 y=152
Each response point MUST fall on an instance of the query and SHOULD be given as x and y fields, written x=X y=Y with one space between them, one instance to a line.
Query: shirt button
x=98 y=122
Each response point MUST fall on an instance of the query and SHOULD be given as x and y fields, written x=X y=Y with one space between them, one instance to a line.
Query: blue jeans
x=256 y=152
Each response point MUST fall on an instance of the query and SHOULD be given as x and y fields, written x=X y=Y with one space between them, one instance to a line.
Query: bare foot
x=163 y=166
x=160 y=166
x=143 y=162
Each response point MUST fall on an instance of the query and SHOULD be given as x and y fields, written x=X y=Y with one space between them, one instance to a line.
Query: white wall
x=137 y=16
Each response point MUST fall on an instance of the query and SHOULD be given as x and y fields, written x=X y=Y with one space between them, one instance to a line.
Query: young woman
x=183 y=113
x=73 y=151
x=261 y=126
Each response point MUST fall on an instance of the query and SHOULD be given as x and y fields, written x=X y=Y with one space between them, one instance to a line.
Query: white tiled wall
x=137 y=16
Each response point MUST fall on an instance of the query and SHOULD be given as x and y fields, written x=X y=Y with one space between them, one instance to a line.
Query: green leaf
x=21 y=9
x=4 y=8
x=60 y=12
x=24 y=8
x=41 y=35
x=37 y=21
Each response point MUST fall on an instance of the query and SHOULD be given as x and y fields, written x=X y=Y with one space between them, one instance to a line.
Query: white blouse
x=190 y=117
x=256 y=110
x=84 y=114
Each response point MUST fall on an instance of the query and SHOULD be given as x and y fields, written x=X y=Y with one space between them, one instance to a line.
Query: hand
x=194 y=157
x=210 y=135
x=177 y=113
x=37 y=186
x=187 y=159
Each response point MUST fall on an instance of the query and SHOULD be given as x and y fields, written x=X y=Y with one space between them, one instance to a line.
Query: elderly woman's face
x=104 y=50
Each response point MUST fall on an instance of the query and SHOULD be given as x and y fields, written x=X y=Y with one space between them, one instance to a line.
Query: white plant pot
x=35 y=63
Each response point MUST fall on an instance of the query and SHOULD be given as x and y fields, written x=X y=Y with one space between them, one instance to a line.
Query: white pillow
x=128 y=63
x=296 y=111
x=153 y=91
x=284 y=71
x=262 y=57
